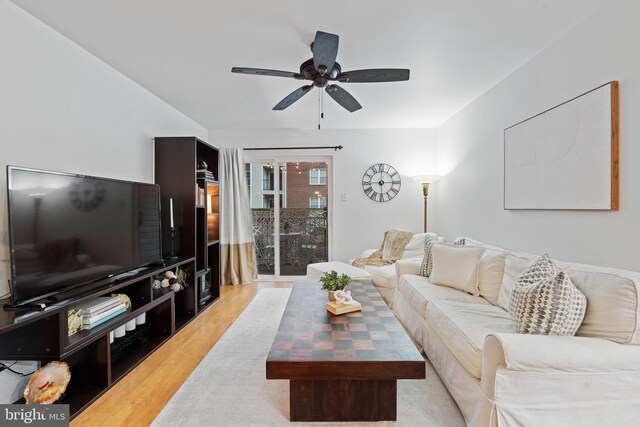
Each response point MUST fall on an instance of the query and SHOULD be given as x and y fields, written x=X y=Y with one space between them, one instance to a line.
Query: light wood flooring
x=141 y=395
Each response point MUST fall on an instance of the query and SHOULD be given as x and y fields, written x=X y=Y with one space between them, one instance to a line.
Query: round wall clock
x=381 y=182
x=86 y=194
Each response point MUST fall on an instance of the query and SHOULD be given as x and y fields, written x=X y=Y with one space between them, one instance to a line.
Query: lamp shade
x=426 y=178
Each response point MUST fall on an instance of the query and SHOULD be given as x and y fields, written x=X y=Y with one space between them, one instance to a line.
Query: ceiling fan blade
x=292 y=97
x=263 y=72
x=342 y=97
x=376 y=75
x=325 y=51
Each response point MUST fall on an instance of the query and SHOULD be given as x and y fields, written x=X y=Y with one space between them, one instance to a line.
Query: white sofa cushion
x=490 y=273
x=415 y=247
x=463 y=328
x=612 y=304
x=417 y=291
x=513 y=268
x=456 y=267
x=383 y=276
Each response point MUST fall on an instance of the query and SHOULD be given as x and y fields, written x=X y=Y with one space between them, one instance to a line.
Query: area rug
x=229 y=388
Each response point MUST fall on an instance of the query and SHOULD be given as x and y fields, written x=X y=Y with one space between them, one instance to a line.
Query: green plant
x=332 y=282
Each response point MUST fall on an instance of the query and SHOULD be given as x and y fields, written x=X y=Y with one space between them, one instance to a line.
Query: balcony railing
x=303 y=239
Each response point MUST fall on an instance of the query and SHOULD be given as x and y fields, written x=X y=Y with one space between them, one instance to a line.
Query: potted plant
x=331 y=282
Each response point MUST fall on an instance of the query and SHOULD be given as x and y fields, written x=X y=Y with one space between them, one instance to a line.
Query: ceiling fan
x=323 y=69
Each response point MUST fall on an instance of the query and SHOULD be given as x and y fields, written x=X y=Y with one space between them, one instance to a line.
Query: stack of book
x=200 y=195
x=100 y=310
x=203 y=173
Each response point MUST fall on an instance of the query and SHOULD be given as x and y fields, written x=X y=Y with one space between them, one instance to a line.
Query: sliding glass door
x=292 y=197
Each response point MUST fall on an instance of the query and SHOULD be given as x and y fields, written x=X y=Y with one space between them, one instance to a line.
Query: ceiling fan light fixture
x=322 y=68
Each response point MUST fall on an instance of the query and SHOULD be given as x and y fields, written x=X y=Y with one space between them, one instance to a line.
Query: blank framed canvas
x=565 y=157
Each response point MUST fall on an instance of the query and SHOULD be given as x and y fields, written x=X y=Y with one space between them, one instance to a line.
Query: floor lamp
x=425 y=180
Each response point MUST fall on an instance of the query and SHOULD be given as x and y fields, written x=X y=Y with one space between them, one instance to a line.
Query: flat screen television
x=68 y=231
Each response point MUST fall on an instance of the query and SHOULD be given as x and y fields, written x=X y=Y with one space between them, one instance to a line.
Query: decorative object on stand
x=344 y=303
x=176 y=281
x=74 y=321
x=425 y=180
x=119 y=332
x=142 y=319
x=381 y=182
x=47 y=384
x=124 y=299
x=331 y=282
x=204 y=172
x=565 y=158
x=173 y=233
x=322 y=69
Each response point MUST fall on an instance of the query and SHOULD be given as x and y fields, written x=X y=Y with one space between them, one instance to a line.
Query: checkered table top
x=309 y=333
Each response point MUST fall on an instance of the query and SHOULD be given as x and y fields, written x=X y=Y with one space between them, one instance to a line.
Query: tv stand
x=129 y=274
x=36 y=306
x=95 y=364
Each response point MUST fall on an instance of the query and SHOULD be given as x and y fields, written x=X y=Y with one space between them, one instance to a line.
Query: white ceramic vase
x=119 y=332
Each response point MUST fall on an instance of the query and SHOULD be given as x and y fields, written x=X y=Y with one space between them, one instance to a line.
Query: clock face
x=381 y=182
x=86 y=194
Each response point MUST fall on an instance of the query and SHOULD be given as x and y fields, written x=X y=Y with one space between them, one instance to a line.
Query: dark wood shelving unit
x=197 y=224
x=95 y=363
x=43 y=336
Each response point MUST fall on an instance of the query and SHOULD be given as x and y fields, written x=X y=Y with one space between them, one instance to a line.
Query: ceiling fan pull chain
x=319 y=107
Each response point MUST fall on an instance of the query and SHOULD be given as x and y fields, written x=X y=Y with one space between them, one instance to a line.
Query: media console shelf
x=95 y=363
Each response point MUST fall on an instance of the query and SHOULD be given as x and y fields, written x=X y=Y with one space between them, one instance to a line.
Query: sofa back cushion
x=490 y=273
x=514 y=266
x=613 y=295
x=612 y=298
x=415 y=247
x=456 y=267
x=612 y=305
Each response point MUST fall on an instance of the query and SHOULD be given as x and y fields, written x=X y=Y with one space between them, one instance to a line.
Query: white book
x=94 y=319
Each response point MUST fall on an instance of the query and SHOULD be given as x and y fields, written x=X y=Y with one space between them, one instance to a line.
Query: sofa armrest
x=554 y=355
x=408 y=266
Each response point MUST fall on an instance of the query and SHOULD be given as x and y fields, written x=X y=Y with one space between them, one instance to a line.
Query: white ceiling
x=183 y=52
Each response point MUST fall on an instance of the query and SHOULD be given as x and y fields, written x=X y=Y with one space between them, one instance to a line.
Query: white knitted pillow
x=427 y=260
x=552 y=305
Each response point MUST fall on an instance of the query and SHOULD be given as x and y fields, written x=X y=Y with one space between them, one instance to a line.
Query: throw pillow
x=543 y=268
x=550 y=306
x=456 y=267
x=460 y=241
x=427 y=261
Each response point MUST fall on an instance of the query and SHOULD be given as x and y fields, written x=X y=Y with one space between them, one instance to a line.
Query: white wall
x=63 y=109
x=357 y=223
x=468 y=200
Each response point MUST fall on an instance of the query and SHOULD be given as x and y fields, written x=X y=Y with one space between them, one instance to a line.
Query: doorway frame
x=278 y=160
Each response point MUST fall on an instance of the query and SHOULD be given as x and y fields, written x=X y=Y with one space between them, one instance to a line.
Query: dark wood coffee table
x=342 y=368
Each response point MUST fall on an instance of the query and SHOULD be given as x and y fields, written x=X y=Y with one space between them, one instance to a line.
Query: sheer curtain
x=236 y=228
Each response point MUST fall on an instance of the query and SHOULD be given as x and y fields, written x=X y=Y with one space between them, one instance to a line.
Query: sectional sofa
x=500 y=378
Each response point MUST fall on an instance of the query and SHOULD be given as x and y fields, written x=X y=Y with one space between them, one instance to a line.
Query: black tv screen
x=68 y=230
